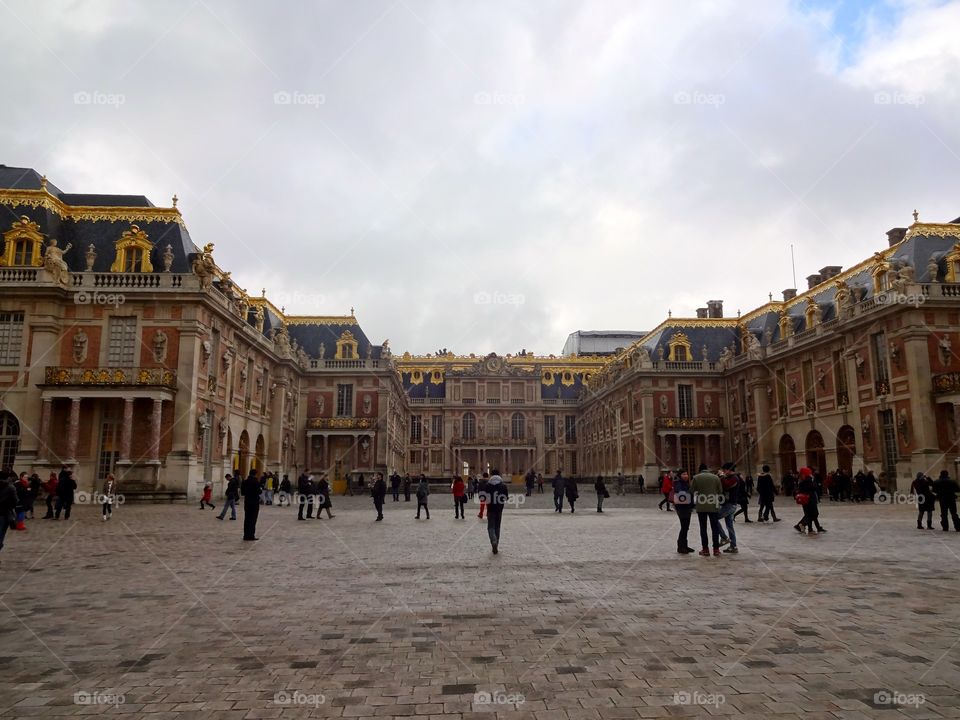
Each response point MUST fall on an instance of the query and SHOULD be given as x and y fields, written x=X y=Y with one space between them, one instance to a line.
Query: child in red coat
x=206 y=497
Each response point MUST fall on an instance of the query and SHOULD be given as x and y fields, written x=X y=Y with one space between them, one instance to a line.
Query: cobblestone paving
x=164 y=613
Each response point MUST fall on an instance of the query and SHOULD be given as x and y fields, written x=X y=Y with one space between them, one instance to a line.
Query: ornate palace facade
x=125 y=348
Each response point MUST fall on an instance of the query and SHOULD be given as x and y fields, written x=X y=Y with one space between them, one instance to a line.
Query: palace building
x=125 y=348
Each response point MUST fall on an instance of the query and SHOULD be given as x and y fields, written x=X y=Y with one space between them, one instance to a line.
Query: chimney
x=830 y=271
x=701 y=312
x=789 y=294
x=895 y=235
x=715 y=308
x=813 y=281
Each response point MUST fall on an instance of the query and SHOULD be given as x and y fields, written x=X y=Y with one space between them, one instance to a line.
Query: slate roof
x=311 y=334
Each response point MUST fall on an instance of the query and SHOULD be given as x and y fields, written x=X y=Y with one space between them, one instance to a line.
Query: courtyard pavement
x=163 y=612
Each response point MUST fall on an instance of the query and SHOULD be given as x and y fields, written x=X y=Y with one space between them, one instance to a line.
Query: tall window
x=11 y=337
x=436 y=428
x=109 y=440
x=469 y=426
x=9 y=439
x=344 y=400
x=23 y=252
x=123 y=342
x=550 y=428
x=782 y=392
x=744 y=400
x=879 y=343
x=889 y=435
x=132 y=259
x=685 y=400
x=840 y=378
x=416 y=429
x=517 y=426
x=570 y=428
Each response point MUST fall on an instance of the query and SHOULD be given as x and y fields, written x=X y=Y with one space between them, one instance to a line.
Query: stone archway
x=788 y=455
x=259 y=454
x=816 y=456
x=243 y=454
x=846 y=448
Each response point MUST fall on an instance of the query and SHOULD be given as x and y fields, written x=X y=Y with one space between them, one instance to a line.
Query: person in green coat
x=707 y=496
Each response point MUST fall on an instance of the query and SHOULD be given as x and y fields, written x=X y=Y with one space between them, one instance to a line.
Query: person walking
x=423 y=493
x=558 y=490
x=268 y=489
x=284 y=493
x=732 y=488
x=34 y=492
x=230 y=497
x=744 y=494
x=945 y=488
x=766 y=494
x=482 y=494
x=349 y=485
x=620 y=482
x=531 y=481
x=540 y=483
x=666 y=486
x=109 y=495
x=459 y=490
x=602 y=492
x=570 y=488
x=497 y=496
x=379 y=492
x=807 y=498
x=922 y=490
x=708 y=495
x=50 y=489
x=682 y=499
x=324 y=497
x=66 y=487
x=250 y=489
x=305 y=491
x=22 y=488
x=406 y=487
x=395 y=486
x=207 y=497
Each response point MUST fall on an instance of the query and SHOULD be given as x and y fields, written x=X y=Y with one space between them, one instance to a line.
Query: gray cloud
x=604 y=162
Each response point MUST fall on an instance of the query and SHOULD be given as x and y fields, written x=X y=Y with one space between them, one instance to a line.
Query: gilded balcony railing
x=700 y=423
x=339 y=423
x=111 y=376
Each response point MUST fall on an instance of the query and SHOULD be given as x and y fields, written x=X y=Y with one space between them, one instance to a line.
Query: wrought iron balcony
x=339 y=423
x=493 y=442
x=111 y=377
x=678 y=423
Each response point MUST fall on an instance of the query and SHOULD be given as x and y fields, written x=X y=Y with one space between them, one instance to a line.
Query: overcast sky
x=493 y=175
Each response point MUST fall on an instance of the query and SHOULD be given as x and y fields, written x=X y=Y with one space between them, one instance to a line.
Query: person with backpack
x=498 y=495
x=459 y=490
x=230 y=497
x=423 y=492
x=666 y=487
x=682 y=499
x=707 y=492
x=602 y=492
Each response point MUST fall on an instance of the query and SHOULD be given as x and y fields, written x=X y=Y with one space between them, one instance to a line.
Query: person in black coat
x=602 y=493
x=946 y=489
x=570 y=488
x=8 y=504
x=66 y=487
x=406 y=487
x=922 y=489
x=305 y=491
x=379 y=492
x=558 y=487
x=230 y=497
x=811 y=508
x=324 y=501
x=766 y=494
x=250 y=489
x=395 y=486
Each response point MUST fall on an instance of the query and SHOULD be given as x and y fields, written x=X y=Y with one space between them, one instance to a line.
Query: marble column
x=126 y=430
x=44 y=442
x=73 y=430
x=156 y=415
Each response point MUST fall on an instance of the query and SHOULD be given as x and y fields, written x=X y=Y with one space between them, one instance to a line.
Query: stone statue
x=768 y=335
x=205 y=351
x=222 y=428
x=726 y=358
x=91 y=257
x=302 y=359
x=704 y=354
x=160 y=346
x=80 y=346
x=54 y=263
x=817 y=314
x=754 y=352
x=204 y=267
x=946 y=350
x=708 y=404
x=660 y=354
x=865 y=430
x=282 y=341
x=167 y=258
x=243 y=376
x=933 y=269
x=369 y=351
x=323 y=350
x=321 y=403
x=367 y=404
x=644 y=355
x=663 y=405
x=903 y=426
x=385 y=348
x=258 y=318
x=227 y=360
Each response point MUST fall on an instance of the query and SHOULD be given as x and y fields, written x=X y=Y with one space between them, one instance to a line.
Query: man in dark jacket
x=66 y=487
x=250 y=489
x=305 y=491
x=945 y=488
x=8 y=504
x=766 y=492
x=406 y=487
x=395 y=486
x=379 y=492
x=570 y=488
x=230 y=497
x=558 y=487
x=497 y=495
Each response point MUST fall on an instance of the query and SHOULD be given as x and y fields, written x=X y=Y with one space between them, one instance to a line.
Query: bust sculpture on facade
x=80 y=341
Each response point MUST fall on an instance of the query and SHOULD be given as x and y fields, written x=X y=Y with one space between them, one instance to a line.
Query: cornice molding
x=43 y=199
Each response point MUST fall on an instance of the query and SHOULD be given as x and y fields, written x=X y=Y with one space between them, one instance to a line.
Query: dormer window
x=347 y=346
x=23 y=244
x=680 y=348
x=133 y=252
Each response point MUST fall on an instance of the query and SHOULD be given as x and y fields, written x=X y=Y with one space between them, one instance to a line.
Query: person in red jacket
x=666 y=487
x=207 y=497
x=459 y=490
x=50 y=488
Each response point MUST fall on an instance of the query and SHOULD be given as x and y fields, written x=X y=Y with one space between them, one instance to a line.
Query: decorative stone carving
x=321 y=403
x=323 y=351
x=704 y=353
x=643 y=355
x=205 y=350
x=160 y=346
x=167 y=258
x=903 y=425
x=204 y=267
x=227 y=360
x=80 y=342
x=708 y=404
x=222 y=428
x=946 y=350
x=385 y=349
x=367 y=404
x=663 y=405
x=752 y=346
x=258 y=318
x=866 y=431
x=859 y=362
x=933 y=269
x=54 y=263
x=243 y=376
x=281 y=341
x=91 y=257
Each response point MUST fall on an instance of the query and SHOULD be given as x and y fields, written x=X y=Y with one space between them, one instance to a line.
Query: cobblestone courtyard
x=582 y=616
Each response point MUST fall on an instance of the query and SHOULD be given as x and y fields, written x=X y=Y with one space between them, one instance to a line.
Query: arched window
x=517 y=426
x=469 y=426
x=9 y=439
